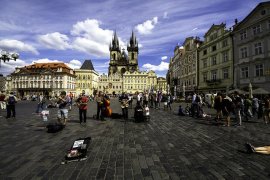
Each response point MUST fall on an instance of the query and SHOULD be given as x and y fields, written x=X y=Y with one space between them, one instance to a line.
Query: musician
x=62 y=102
x=124 y=105
x=82 y=105
x=100 y=105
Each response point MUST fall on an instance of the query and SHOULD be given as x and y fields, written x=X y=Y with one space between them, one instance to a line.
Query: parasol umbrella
x=260 y=91
x=238 y=90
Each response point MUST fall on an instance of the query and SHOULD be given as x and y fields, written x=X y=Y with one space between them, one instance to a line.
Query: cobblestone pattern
x=168 y=147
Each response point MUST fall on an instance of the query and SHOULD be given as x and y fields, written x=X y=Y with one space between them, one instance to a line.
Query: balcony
x=213 y=82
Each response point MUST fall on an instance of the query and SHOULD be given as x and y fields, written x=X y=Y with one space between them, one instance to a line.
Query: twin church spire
x=131 y=46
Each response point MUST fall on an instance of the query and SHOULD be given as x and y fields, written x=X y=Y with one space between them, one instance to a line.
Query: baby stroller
x=138 y=113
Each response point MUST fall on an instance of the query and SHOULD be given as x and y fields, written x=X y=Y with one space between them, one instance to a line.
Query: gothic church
x=120 y=62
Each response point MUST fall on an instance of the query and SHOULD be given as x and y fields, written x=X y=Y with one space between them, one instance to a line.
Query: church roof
x=87 y=64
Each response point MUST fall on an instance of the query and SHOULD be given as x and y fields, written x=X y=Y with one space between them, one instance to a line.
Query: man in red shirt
x=82 y=105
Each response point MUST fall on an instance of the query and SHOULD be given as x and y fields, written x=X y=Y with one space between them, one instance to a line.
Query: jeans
x=82 y=113
x=125 y=112
x=11 y=109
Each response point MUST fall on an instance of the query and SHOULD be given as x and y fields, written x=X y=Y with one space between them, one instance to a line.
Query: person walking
x=218 y=106
x=11 y=100
x=169 y=101
x=238 y=107
x=255 y=106
x=41 y=102
x=82 y=105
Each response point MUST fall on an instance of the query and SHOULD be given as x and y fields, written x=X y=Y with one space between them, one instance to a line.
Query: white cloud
x=15 y=45
x=194 y=29
x=74 y=64
x=163 y=66
x=164 y=58
x=92 y=38
x=147 y=26
x=165 y=15
x=9 y=66
x=55 y=40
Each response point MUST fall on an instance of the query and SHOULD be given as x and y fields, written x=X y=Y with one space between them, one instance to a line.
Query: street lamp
x=6 y=56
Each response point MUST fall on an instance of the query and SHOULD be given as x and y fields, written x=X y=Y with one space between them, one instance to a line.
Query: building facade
x=120 y=62
x=87 y=78
x=46 y=78
x=251 y=39
x=162 y=85
x=216 y=60
x=139 y=81
x=188 y=62
x=2 y=83
x=112 y=84
x=176 y=70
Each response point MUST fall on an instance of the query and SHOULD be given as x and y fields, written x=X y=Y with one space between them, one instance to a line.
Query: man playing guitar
x=82 y=105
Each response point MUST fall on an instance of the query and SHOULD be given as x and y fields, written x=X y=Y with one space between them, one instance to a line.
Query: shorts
x=63 y=112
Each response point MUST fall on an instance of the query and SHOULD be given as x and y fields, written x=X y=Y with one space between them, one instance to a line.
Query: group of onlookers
x=241 y=106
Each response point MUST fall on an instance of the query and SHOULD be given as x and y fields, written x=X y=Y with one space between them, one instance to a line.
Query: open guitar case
x=78 y=150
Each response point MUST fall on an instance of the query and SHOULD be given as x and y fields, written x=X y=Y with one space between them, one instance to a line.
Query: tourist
x=238 y=106
x=227 y=107
x=11 y=100
x=266 y=113
x=261 y=150
x=255 y=105
x=2 y=100
x=218 y=106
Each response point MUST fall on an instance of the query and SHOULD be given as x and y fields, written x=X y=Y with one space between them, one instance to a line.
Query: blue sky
x=74 y=30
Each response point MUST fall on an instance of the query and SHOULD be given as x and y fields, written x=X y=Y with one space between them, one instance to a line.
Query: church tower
x=115 y=54
x=133 y=52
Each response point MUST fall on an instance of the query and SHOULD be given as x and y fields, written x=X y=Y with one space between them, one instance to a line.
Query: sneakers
x=250 y=148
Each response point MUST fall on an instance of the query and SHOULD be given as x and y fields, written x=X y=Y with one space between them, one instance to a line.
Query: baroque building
x=216 y=60
x=87 y=78
x=162 y=85
x=251 y=39
x=188 y=63
x=112 y=84
x=47 y=78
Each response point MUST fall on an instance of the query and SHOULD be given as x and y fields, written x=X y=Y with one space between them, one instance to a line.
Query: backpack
x=197 y=99
x=11 y=100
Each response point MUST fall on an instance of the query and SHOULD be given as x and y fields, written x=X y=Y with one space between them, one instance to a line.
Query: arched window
x=132 y=55
x=113 y=56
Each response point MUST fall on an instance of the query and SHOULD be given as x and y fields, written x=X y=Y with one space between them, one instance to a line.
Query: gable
x=261 y=11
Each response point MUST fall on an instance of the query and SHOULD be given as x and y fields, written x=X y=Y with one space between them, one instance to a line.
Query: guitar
x=124 y=103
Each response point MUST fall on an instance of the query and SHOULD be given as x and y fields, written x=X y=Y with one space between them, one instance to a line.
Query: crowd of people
x=242 y=107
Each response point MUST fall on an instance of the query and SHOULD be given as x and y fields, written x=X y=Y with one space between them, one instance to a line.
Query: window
x=205 y=51
x=243 y=35
x=244 y=72
x=225 y=56
x=205 y=63
x=189 y=69
x=225 y=43
x=243 y=52
x=257 y=29
x=204 y=77
x=214 y=60
x=132 y=56
x=214 y=75
x=113 y=56
x=193 y=80
x=259 y=70
x=214 y=48
x=225 y=73
x=258 y=48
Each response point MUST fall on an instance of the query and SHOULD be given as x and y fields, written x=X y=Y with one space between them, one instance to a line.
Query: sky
x=72 y=31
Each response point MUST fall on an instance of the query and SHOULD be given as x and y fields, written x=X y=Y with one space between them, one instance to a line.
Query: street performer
x=124 y=105
x=82 y=105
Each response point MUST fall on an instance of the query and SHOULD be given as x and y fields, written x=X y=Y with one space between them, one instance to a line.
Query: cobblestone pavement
x=168 y=147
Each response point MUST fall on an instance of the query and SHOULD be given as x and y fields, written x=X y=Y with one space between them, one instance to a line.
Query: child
x=180 y=111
